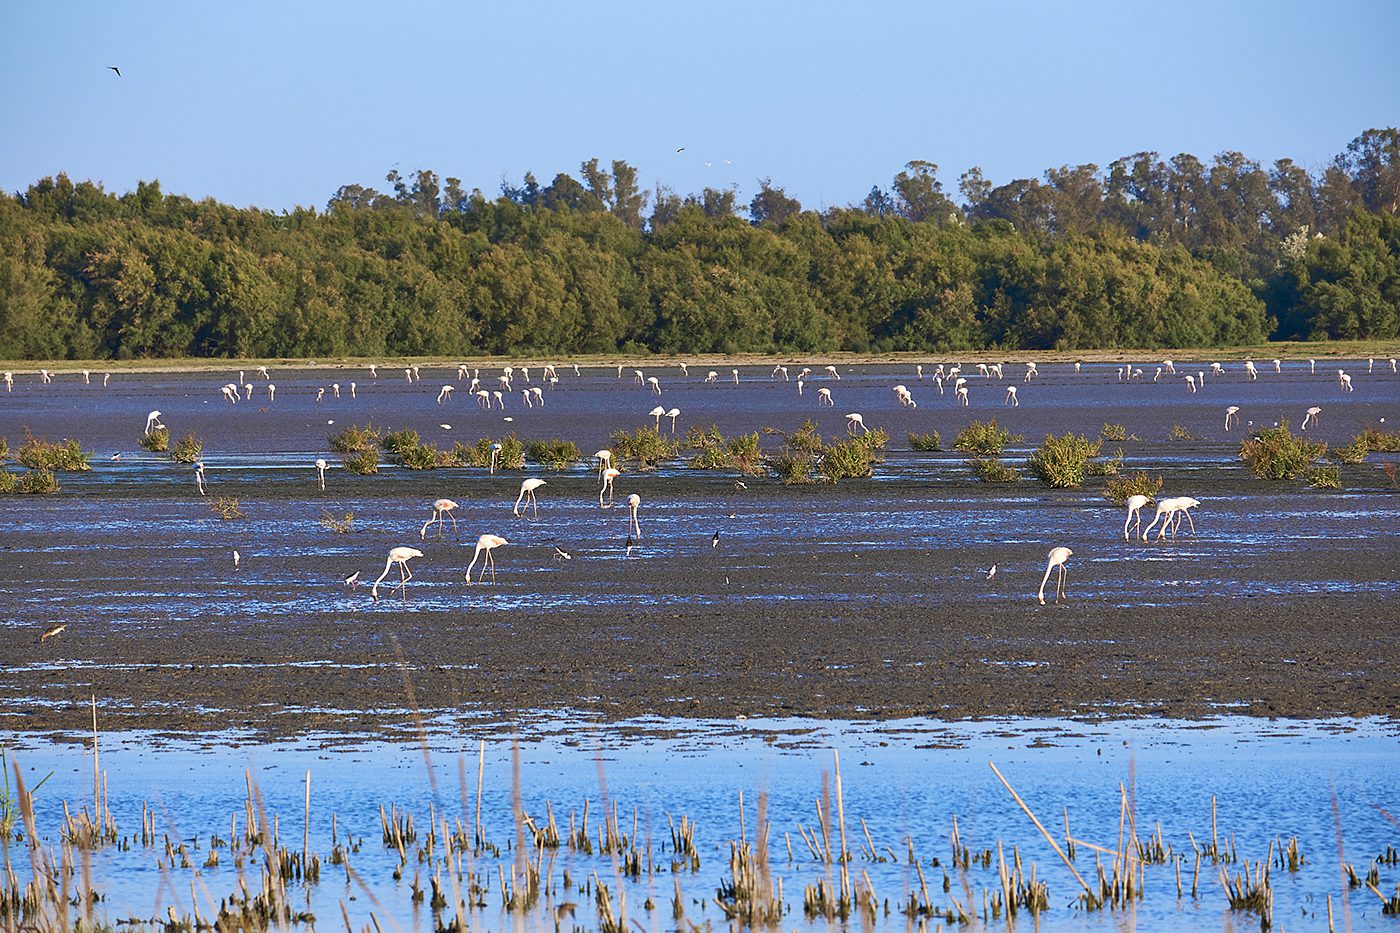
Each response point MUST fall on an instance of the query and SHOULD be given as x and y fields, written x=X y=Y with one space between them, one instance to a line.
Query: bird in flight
x=51 y=631
x=681 y=149
x=116 y=69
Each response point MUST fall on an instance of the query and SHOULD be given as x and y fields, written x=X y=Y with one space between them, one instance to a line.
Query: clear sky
x=277 y=104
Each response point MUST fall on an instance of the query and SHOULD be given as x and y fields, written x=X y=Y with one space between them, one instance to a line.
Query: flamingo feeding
x=1310 y=416
x=527 y=495
x=321 y=472
x=1057 y=556
x=609 y=475
x=153 y=422
x=400 y=556
x=1232 y=415
x=485 y=545
x=441 y=507
x=634 y=502
x=1135 y=504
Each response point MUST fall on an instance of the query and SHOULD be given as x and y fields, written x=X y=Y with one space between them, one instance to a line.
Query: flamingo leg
x=454 y=525
x=1187 y=513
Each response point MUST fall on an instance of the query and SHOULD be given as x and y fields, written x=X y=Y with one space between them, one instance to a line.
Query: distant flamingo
x=658 y=413
x=962 y=396
x=262 y=371
x=335 y=389
x=1169 y=366
x=831 y=371
x=1250 y=371
x=272 y=391
x=634 y=502
x=711 y=376
x=1278 y=366
x=527 y=495
x=1345 y=381
x=445 y=394
x=538 y=393
x=1310 y=416
x=853 y=421
x=321 y=472
x=735 y=374
x=1191 y=384
x=604 y=460
x=608 y=475
x=441 y=507
x=1232 y=414
x=1031 y=371
x=485 y=545
x=1169 y=513
x=400 y=556
x=655 y=385
x=1135 y=504
x=780 y=370
x=1011 y=398
x=638 y=377
x=824 y=397
x=373 y=371
x=673 y=414
x=153 y=422
x=198 y=476
x=1058 y=556
x=352 y=390
x=495 y=456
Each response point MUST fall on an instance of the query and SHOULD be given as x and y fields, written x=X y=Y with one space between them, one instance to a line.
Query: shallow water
x=909 y=778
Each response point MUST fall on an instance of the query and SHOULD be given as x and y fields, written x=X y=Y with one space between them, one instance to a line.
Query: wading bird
x=1030 y=371
x=445 y=394
x=1135 y=504
x=527 y=495
x=441 y=507
x=236 y=558
x=52 y=631
x=609 y=475
x=495 y=456
x=1310 y=416
x=1232 y=415
x=485 y=545
x=1058 y=556
x=400 y=556
x=655 y=385
x=673 y=414
x=992 y=572
x=658 y=413
x=853 y=421
x=153 y=422
x=353 y=580
x=1011 y=398
x=634 y=502
x=562 y=554
x=824 y=397
x=604 y=460
x=321 y=472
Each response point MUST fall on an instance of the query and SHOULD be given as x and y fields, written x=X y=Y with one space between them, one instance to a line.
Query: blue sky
x=276 y=104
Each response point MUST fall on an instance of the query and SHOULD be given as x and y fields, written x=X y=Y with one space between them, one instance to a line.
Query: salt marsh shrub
x=1061 y=462
x=37 y=482
x=556 y=454
x=157 y=440
x=992 y=470
x=1325 y=477
x=1274 y=453
x=925 y=442
x=67 y=455
x=354 y=438
x=984 y=437
x=187 y=449
x=645 y=445
x=1121 y=488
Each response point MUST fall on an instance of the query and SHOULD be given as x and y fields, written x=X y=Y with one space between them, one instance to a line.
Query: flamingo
x=321 y=472
x=853 y=421
x=527 y=398
x=1346 y=382
x=1157 y=375
x=962 y=396
x=445 y=394
x=1169 y=366
x=1184 y=506
x=634 y=502
x=499 y=399
x=400 y=556
x=107 y=377
x=538 y=393
x=485 y=545
x=1392 y=366
x=824 y=397
x=638 y=377
x=483 y=399
x=1250 y=371
x=800 y=384
x=685 y=368
x=44 y=376
x=272 y=391
x=1135 y=504
x=1191 y=384
x=673 y=414
x=1232 y=414
x=1278 y=365
x=441 y=507
x=780 y=370
x=655 y=384
x=248 y=388
x=320 y=394
x=527 y=494
x=1312 y=366
x=198 y=476
x=87 y=377
x=262 y=371
x=373 y=371
x=658 y=413
x=1310 y=417
x=1168 y=512
x=1077 y=364
x=335 y=389
x=1031 y=371
x=1011 y=398
x=495 y=456
x=735 y=374
x=1058 y=556
x=604 y=460
x=919 y=371
x=831 y=371
x=711 y=376
x=152 y=421
x=9 y=381
x=608 y=475
x=352 y=390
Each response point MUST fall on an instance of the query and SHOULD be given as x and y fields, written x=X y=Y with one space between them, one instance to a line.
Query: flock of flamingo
x=1169 y=511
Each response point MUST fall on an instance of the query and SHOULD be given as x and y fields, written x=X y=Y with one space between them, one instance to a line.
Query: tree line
x=1148 y=252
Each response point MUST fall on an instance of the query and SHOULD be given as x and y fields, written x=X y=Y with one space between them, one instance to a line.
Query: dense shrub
x=1061 y=462
x=717 y=452
x=1325 y=477
x=1352 y=453
x=354 y=438
x=7 y=481
x=992 y=470
x=187 y=449
x=362 y=462
x=852 y=457
x=396 y=442
x=157 y=440
x=1113 y=432
x=510 y=457
x=647 y=446
x=556 y=454
x=984 y=437
x=37 y=481
x=925 y=442
x=1381 y=441
x=39 y=454
x=1121 y=488
x=1274 y=453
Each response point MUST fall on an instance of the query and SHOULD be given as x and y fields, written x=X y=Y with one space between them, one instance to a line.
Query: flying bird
x=52 y=631
x=116 y=69
x=681 y=149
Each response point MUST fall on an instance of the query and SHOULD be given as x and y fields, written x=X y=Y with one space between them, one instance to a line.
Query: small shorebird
x=52 y=631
